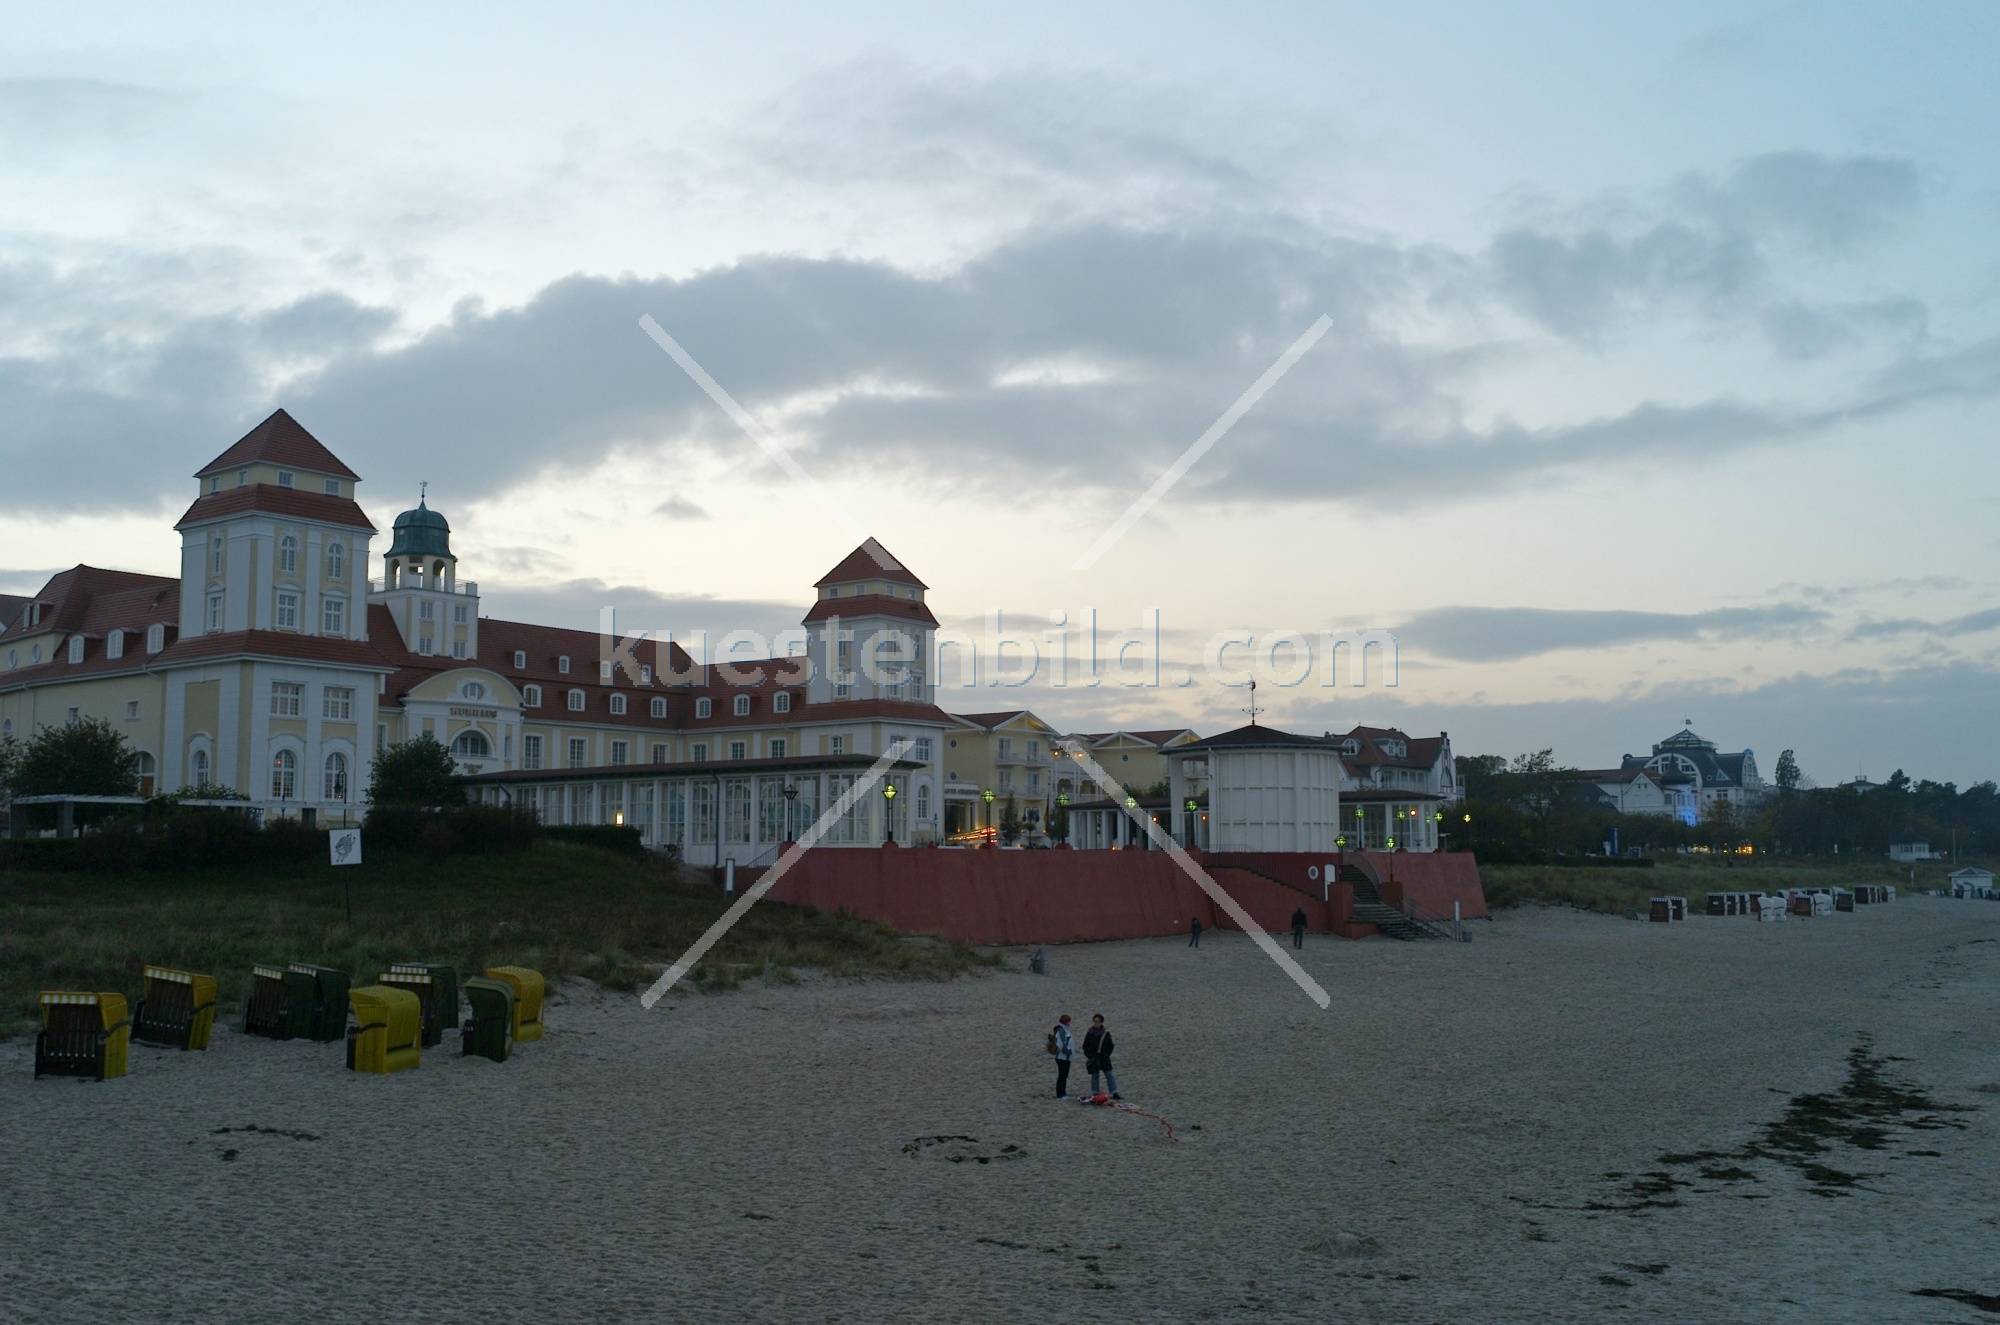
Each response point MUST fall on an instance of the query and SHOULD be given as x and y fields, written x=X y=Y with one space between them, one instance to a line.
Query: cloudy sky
x=1661 y=375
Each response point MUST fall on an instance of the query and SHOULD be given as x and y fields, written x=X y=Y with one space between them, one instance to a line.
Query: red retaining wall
x=1012 y=897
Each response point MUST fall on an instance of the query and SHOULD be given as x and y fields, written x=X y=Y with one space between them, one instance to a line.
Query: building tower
x=869 y=634
x=433 y=613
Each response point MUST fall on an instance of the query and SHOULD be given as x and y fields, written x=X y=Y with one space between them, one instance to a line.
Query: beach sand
x=1573 y=1117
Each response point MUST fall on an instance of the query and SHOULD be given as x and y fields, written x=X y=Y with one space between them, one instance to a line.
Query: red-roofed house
x=277 y=667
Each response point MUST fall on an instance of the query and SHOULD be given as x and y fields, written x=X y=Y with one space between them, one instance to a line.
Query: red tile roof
x=870 y=561
x=278 y=644
x=274 y=500
x=279 y=440
x=867 y=605
x=843 y=710
x=990 y=720
x=71 y=594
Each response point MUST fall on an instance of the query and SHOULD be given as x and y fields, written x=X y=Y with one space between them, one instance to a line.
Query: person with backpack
x=1194 y=932
x=1299 y=928
x=1063 y=1046
x=1097 y=1056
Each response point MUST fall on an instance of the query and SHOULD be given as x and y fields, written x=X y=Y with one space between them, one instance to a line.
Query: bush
x=478 y=829
x=610 y=837
x=52 y=855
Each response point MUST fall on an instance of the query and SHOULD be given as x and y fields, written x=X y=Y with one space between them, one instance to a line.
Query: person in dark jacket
x=1097 y=1056
x=1299 y=928
x=1194 y=932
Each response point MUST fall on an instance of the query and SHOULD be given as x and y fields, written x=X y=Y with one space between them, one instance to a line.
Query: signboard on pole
x=345 y=845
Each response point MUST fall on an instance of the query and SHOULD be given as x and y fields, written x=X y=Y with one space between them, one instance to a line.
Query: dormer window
x=576 y=701
x=833 y=591
x=604 y=671
x=618 y=705
x=242 y=478
x=1350 y=746
x=214 y=483
x=520 y=660
x=645 y=674
x=659 y=707
x=703 y=707
x=531 y=697
x=114 y=644
x=562 y=664
x=781 y=702
x=156 y=638
x=742 y=706
x=284 y=478
x=76 y=648
x=333 y=487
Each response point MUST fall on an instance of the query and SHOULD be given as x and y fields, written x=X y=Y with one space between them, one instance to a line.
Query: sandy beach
x=1573 y=1117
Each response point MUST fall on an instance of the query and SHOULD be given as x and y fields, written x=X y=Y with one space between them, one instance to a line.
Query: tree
x=1059 y=824
x=10 y=763
x=417 y=772
x=1010 y=821
x=84 y=758
x=1788 y=773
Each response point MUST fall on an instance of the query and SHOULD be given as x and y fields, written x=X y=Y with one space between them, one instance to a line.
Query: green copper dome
x=421 y=533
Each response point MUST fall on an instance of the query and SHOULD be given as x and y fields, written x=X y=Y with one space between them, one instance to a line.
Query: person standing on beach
x=1065 y=1049
x=1097 y=1056
x=1299 y=928
x=1194 y=932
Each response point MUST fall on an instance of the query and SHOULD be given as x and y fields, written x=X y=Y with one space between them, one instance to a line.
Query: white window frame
x=531 y=751
x=285 y=478
x=776 y=747
x=781 y=702
x=703 y=707
x=214 y=613
x=288 y=555
x=334 y=786
x=288 y=699
x=336 y=560
x=520 y=659
x=836 y=745
x=741 y=704
x=286 y=614
x=575 y=701
x=618 y=706
x=739 y=749
x=337 y=704
x=75 y=649
x=659 y=706
x=698 y=753
x=333 y=615
x=562 y=664
x=619 y=750
x=579 y=752
x=531 y=697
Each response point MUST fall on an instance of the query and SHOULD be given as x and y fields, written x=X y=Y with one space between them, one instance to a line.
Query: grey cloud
x=1798 y=330
x=1499 y=634
x=576 y=604
x=679 y=508
x=41 y=114
x=1834 y=201
x=1578 y=287
x=1972 y=623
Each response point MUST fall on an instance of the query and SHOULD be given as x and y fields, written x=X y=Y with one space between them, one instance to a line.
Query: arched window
x=743 y=706
x=198 y=768
x=76 y=648
x=336 y=560
x=472 y=745
x=531 y=696
x=781 y=702
x=333 y=781
x=114 y=644
x=284 y=776
x=146 y=769
x=659 y=707
x=923 y=802
x=288 y=555
x=618 y=705
x=703 y=707
x=156 y=638
x=215 y=556
x=576 y=701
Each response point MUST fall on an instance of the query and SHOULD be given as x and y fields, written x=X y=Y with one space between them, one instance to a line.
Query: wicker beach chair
x=387 y=1032
x=528 y=991
x=436 y=988
x=177 y=1009
x=82 y=1035
x=489 y=1030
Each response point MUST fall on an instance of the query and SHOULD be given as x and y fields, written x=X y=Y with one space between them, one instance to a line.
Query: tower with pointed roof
x=274 y=540
x=434 y=614
x=869 y=633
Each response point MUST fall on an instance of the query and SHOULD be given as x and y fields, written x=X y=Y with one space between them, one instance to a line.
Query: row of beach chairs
x=407 y=1010
x=1802 y=902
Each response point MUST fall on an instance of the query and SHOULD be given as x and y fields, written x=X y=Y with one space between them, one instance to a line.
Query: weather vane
x=1252 y=710
x=423 y=491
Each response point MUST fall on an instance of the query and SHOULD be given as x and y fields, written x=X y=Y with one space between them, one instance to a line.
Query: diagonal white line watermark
x=1118 y=528
x=754 y=894
x=754 y=430
x=1229 y=905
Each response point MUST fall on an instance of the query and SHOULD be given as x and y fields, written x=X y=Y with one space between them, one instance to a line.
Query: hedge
x=611 y=837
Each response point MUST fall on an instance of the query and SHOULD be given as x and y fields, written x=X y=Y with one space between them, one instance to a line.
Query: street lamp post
x=791 y=795
x=888 y=817
x=987 y=797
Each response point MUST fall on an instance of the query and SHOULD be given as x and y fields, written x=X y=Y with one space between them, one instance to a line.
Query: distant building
x=1638 y=789
x=1971 y=882
x=1393 y=787
x=1904 y=853
x=1715 y=778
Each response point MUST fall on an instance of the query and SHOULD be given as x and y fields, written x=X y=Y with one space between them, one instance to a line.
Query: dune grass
x=1617 y=891
x=561 y=909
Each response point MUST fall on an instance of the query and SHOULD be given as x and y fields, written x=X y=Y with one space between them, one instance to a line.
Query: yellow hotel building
x=275 y=666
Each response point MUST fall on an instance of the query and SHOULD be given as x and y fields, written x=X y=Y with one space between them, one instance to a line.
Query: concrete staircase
x=1371 y=909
